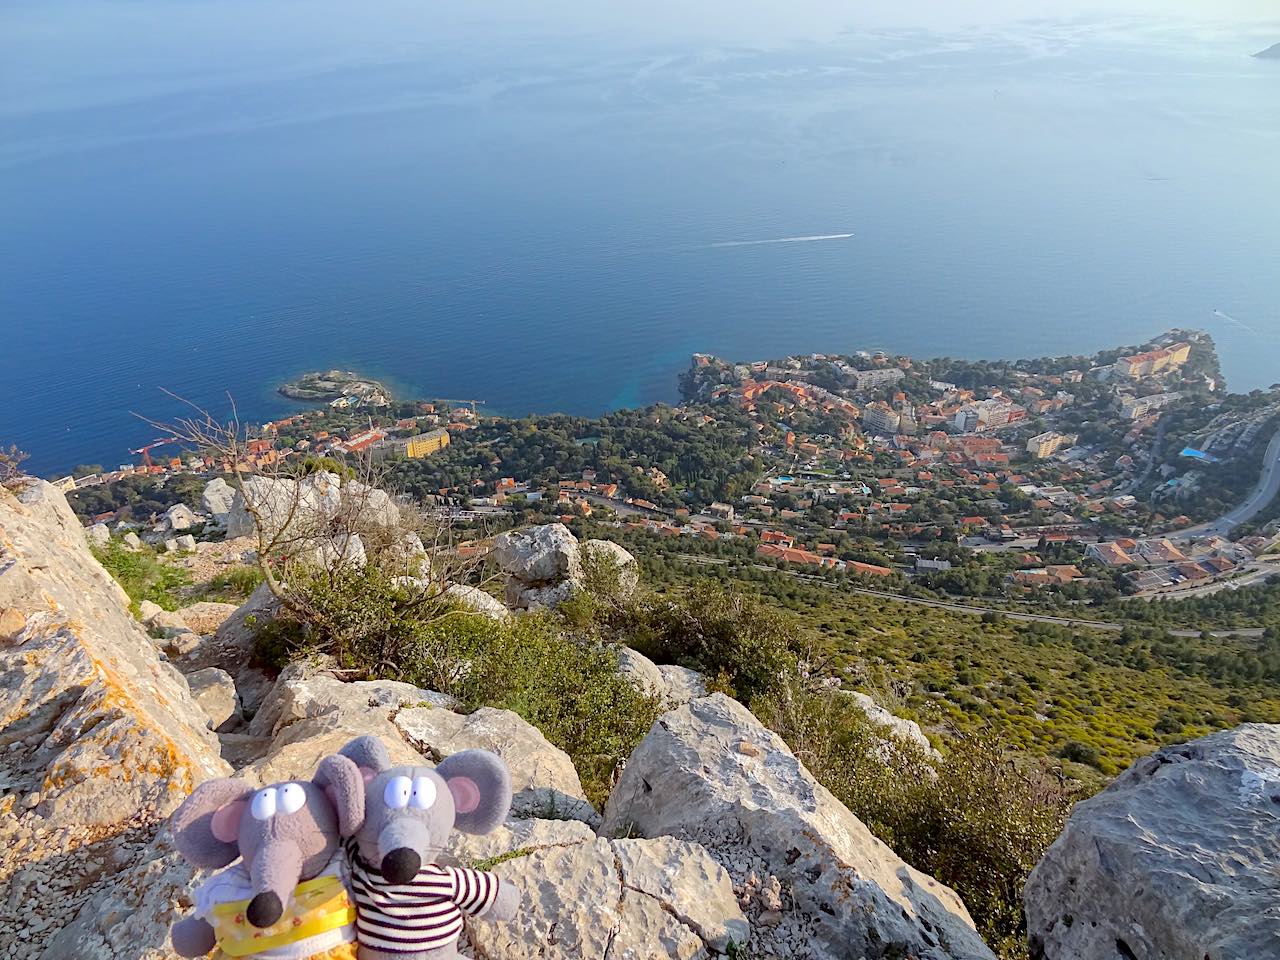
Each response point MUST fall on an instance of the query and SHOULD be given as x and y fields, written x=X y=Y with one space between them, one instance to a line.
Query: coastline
x=271 y=403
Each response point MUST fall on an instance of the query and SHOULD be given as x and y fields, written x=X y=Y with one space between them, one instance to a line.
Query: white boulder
x=179 y=517
x=538 y=554
x=1176 y=858
x=302 y=511
x=215 y=692
x=619 y=557
x=98 y=535
x=906 y=730
x=217 y=499
x=477 y=600
x=710 y=772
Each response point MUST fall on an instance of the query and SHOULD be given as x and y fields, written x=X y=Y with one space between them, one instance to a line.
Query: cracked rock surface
x=817 y=882
x=1175 y=858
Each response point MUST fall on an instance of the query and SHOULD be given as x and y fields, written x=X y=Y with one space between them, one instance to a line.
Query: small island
x=336 y=385
x=1271 y=53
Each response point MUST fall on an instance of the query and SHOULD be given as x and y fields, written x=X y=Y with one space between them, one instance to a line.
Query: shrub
x=751 y=648
x=142 y=575
x=977 y=820
x=238 y=583
x=569 y=689
x=1078 y=752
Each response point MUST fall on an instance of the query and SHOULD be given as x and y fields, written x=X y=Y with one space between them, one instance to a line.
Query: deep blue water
x=530 y=217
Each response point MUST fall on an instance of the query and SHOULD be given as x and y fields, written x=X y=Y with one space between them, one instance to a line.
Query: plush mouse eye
x=424 y=793
x=396 y=795
x=263 y=806
x=292 y=798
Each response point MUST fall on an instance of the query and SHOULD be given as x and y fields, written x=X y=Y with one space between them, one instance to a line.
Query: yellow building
x=1047 y=444
x=425 y=444
x=1154 y=362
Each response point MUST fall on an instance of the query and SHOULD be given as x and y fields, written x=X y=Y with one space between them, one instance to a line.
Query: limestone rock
x=544 y=597
x=12 y=623
x=179 y=643
x=684 y=876
x=680 y=684
x=127 y=915
x=641 y=671
x=185 y=543
x=217 y=499
x=303 y=693
x=543 y=777
x=576 y=906
x=302 y=510
x=165 y=623
x=231 y=647
x=673 y=686
x=100 y=728
x=98 y=535
x=620 y=557
x=215 y=692
x=477 y=600
x=518 y=834
x=710 y=772
x=347 y=551
x=307 y=716
x=148 y=609
x=207 y=616
x=899 y=727
x=1175 y=859
x=131 y=541
x=544 y=553
x=178 y=518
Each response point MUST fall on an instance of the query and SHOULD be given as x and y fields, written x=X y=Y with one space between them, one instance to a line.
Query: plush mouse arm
x=506 y=906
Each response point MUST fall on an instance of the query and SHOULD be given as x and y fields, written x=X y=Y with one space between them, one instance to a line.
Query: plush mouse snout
x=403 y=843
x=265 y=909
x=401 y=865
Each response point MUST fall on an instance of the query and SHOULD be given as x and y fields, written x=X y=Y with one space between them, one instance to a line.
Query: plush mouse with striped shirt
x=407 y=906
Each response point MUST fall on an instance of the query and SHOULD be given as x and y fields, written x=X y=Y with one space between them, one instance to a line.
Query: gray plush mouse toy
x=407 y=906
x=283 y=893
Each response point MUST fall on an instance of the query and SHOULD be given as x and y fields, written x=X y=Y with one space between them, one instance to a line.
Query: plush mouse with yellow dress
x=283 y=889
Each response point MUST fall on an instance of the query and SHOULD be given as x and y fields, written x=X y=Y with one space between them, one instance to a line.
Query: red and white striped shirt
x=423 y=914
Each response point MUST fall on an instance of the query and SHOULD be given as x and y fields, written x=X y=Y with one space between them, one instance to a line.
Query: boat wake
x=1239 y=323
x=757 y=243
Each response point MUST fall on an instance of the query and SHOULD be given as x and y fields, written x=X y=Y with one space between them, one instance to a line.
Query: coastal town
x=1128 y=473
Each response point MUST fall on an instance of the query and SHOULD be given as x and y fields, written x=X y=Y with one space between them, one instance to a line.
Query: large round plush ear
x=481 y=789
x=207 y=825
x=344 y=786
x=369 y=754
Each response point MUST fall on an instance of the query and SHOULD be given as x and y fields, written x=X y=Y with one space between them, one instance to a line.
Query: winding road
x=1268 y=486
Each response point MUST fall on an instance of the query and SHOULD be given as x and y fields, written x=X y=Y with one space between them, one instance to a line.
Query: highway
x=1268 y=486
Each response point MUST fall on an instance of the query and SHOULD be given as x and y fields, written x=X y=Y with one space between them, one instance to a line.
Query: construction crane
x=146 y=451
x=471 y=402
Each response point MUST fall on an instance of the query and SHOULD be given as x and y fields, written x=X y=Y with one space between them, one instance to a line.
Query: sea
x=550 y=208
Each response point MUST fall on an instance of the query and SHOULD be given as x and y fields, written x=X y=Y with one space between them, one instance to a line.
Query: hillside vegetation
x=1099 y=699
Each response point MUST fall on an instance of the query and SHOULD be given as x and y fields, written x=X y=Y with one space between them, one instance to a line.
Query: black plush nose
x=264 y=909
x=401 y=866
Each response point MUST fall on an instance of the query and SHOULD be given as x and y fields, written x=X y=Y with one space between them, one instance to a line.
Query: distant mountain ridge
x=1271 y=53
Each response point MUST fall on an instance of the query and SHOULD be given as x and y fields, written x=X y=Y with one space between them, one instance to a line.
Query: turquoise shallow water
x=556 y=225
